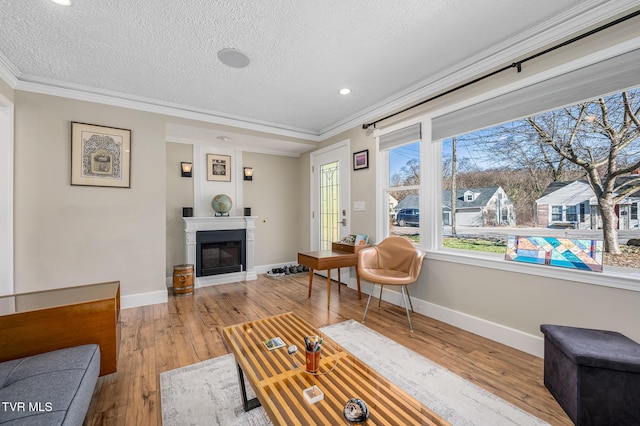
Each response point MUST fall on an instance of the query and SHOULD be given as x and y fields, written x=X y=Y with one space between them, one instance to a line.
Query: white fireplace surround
x=195 y=224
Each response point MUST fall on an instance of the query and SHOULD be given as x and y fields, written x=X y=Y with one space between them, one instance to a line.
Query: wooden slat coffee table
x=279 y=382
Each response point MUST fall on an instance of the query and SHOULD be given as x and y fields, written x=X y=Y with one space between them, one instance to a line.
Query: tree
x=602 y=138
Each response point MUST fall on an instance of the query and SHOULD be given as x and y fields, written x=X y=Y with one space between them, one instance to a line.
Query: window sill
x=621 y=278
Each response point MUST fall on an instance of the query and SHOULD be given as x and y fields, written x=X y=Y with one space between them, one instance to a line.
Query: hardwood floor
x=187 y=330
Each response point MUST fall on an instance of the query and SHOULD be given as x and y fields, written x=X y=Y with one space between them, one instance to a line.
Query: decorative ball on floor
x=221 y=204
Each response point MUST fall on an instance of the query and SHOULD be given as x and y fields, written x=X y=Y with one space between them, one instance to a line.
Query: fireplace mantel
x=195 y=224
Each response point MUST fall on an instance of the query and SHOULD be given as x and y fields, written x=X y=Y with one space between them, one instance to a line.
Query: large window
x=572 y=171
x=543 y=164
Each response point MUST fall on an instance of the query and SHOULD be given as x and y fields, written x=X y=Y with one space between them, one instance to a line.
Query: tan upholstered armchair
x=395 y=261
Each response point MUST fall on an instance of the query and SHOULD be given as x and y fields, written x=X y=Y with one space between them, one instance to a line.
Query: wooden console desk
x=340 y=256
x=43 y=321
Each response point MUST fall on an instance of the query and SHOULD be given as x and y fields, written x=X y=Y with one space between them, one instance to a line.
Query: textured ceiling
x=301 y=52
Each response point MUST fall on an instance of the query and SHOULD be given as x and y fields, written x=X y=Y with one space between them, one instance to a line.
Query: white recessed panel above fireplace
x=195 y=224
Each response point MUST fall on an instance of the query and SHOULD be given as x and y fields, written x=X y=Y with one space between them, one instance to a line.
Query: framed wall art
x=100 y=156
x=219 y=167
x=361 y=160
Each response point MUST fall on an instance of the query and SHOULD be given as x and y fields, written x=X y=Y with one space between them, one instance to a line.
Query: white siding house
x=574 y=205
x=489 y=206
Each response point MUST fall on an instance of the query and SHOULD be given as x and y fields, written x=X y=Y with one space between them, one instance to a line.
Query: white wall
x=273 y=195
x=179 y=195
x=71 y=235
x=6 y=195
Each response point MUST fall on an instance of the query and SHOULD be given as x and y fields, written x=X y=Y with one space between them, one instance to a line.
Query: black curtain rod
x=517 y=65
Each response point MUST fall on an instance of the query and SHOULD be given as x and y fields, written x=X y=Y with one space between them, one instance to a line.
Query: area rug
x=208 y=393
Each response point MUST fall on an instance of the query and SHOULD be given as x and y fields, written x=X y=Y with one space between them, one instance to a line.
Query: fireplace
x=220 y=252
x=196 y=225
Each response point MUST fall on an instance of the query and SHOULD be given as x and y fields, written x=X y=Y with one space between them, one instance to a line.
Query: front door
x=330 y=218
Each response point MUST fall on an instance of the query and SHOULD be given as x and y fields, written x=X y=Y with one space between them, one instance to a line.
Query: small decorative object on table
x=355 y=239
x=356 y=411
x=313 y=345
x=361 y=240
x=274 y=343
x=221 y=204
x=349 y=239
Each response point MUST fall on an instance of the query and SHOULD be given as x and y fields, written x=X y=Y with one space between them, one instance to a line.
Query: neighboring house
x=489 y=206
x=574 y=205
x=392 y=204
x=474 y=207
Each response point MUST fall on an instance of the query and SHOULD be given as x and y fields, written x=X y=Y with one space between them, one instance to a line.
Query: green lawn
x=477 y=245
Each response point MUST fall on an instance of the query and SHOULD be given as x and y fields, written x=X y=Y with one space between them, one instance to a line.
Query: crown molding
x=8 y=71
x=123 y=100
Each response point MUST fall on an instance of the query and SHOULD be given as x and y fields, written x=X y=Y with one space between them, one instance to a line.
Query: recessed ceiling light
x=345 y=91
x=224 y=138
x=233 y=58
x=62 y=2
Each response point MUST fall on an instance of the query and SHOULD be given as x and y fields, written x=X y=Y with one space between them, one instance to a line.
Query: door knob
x=343 y=222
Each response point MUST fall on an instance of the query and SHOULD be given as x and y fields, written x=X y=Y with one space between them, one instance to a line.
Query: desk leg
x=339 y=281
x=358 y=280
x=310 y=280
x=247 y=404
x=328 y=288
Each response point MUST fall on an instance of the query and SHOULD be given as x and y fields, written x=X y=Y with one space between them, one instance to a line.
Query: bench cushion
x=53 y=388
x=595 y=348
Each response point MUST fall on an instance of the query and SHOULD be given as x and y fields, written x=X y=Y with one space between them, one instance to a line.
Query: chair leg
x=380 y=298
x=404 y=295
x=368 y=301
x=409 y=297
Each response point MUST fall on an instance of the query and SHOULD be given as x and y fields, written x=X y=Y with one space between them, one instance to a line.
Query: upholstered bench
x=52 y=388
x=593 y=374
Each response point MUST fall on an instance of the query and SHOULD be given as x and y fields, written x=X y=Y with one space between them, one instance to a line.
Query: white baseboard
x=517 y=339
x=143 y=299
x=263 y=269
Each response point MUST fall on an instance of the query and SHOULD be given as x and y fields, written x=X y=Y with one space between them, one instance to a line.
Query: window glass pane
x=404 y=165
x=405 y=218
x=329 y=204
x=402 y=191
x=534 y=177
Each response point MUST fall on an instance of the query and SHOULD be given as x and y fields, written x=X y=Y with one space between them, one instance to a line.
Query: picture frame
x=219 y=167
x=361 y=160
x=100 y=155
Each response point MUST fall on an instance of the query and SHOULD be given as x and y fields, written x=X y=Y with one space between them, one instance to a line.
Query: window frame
x=555 y=211
x=383 y=178
x=431 y=228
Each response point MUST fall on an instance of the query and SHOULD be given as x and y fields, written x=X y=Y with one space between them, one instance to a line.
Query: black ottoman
x=593 y=374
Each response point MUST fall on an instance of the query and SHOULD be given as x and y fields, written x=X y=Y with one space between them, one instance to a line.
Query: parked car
x=408 y=217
